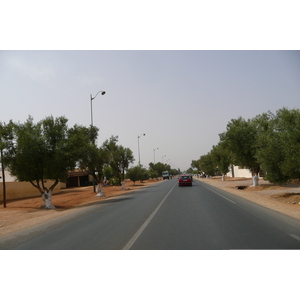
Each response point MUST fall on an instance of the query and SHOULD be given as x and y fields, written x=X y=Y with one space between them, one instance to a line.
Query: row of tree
x=268 y=142
x=155 y=171
x=49 y=149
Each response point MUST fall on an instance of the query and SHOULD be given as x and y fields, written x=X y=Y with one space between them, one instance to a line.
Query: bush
x=137 y=173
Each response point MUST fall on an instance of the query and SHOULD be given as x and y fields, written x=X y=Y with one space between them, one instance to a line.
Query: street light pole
x=139 y=146
x=92 y=98
x=154 y=153
x=162 y=158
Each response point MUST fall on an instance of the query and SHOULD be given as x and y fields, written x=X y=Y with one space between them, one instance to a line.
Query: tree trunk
x=255 y=179
x=99 y=191
x=232 y=171
x=123 y=185
x=47 y=198
x=223 y=177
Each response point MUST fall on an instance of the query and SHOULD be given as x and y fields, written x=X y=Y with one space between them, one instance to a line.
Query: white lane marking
x=138 y=233
x=220 y=195
x=295 y=237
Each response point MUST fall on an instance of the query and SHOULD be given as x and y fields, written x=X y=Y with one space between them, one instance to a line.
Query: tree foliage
x=6 y=140
x=46 y=150
x=270 y=142
x=94 y=161
x=278 y=148
x=207 y=164
x=119 y=157
x=153 y=173
x=195 y=164
x=221 y=158
x=239 y=140
x=137 y=173
x=159 y=167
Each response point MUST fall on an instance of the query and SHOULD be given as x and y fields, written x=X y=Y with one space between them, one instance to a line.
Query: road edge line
x=219 y=194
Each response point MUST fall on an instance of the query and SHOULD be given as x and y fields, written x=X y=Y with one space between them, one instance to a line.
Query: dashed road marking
x=142 y=228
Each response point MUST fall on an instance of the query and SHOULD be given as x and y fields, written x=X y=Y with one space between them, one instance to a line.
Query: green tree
x=114 y=159
x=279 y=145
x=153 y=173
x=221 y=158
x=126 y=158
x=174 y=172
x=119 y=157
x=288 y=126
x=94 y=161
x=195 y=164
x=160 y=167
x=108 y=172
x=137 y=173
x=44 y=151
x=189 y=170
x=207 y=164
x=6 y=140
x=239 y=140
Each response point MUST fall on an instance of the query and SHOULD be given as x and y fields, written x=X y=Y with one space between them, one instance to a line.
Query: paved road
x=165 y=216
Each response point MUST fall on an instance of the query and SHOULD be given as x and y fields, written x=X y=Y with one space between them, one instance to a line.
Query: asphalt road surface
x=164 y=216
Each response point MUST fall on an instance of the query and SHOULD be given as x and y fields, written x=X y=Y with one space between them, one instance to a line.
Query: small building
x=78 y=178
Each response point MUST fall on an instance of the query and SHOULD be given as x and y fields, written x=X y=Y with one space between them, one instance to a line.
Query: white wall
x=239 y=172
x=8 y=177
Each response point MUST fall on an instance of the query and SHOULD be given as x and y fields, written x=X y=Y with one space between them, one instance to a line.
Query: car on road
x=185 y=180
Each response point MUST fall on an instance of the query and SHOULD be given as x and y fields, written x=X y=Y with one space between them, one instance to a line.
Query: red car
x=185 y=180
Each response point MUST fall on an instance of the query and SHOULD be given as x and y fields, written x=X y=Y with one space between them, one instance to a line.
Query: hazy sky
x=181 y=100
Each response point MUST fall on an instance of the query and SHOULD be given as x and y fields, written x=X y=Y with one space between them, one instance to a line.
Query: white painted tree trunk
x=99 y=191
x=47 y=198
x=223 y=177
x=255 y=179
x=123 y=186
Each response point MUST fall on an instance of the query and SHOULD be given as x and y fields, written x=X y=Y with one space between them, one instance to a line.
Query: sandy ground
x=23 y=213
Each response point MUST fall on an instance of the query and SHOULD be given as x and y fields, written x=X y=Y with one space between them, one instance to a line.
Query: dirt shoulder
x=282 y=198
x=23 y=213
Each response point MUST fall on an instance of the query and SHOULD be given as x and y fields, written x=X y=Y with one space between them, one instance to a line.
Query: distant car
x=185 y=180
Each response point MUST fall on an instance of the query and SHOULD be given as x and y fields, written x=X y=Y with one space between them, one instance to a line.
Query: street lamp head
x=102 y=93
